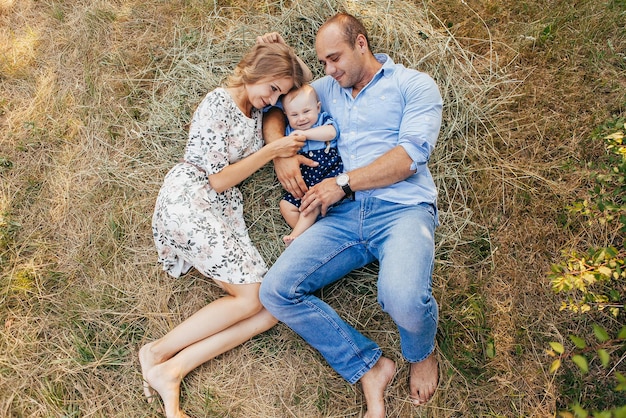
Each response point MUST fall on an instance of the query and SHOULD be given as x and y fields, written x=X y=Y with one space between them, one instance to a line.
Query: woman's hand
x=287 y=146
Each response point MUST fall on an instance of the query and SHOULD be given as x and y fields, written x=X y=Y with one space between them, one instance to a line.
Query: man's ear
x=361 y=42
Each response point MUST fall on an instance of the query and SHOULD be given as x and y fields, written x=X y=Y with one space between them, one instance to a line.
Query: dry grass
x=94 y=101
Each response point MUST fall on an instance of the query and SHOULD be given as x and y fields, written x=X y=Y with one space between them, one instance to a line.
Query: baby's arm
x=320 y=133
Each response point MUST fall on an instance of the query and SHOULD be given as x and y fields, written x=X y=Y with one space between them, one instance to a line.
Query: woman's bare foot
x=288 y=239
x=374 y=383
x=165 y=379
x=424 y=379
x=147 y=361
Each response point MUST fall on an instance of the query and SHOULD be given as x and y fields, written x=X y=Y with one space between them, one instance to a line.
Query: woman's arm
x=233 y=174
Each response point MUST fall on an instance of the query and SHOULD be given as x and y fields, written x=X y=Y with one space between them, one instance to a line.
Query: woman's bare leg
x=166 y=377
x=241 y=303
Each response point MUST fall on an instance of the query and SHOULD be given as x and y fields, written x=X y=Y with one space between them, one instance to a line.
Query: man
x=384 y=209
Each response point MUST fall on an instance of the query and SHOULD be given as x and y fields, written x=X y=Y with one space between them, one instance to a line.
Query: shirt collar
x=388 y=65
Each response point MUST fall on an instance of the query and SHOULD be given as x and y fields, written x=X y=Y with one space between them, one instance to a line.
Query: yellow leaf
x=589 y=278
x=555 y=365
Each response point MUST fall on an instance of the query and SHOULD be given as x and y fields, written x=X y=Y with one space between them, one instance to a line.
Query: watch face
x=342 y=179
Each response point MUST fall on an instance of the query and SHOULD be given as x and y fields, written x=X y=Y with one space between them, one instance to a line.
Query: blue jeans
x=351 y=235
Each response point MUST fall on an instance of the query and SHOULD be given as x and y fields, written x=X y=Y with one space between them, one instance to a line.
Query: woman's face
x=266 y=92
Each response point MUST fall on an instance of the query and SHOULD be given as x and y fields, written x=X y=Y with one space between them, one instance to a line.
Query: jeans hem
x=358 y=375
x=432 y=350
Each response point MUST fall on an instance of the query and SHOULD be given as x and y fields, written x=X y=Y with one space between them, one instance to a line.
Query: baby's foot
x=288 y=239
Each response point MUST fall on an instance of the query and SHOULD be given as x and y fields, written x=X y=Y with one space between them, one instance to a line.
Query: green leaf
x=557 y=347
x=578 y=342
x=579 y=411
x=601 y=333
x=622 y=334
x=602 y=414
x=621 y=387
x=604 y=357
x=491 y=349
x=620 y=412
x=581 y=362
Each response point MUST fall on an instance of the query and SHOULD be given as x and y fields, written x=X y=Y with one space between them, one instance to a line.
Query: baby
x=303 y=111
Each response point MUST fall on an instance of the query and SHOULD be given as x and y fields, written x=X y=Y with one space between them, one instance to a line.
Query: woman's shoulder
x=216 y=101
x=217 y=95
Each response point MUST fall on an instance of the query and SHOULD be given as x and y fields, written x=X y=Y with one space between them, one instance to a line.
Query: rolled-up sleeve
x=421 y=119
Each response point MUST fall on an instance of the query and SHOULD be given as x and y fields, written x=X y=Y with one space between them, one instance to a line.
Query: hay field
x=95 y=96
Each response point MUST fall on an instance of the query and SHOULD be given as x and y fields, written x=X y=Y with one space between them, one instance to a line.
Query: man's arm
x=390 y=168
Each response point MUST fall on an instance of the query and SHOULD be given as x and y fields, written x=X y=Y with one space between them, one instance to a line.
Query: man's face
x=341 y=61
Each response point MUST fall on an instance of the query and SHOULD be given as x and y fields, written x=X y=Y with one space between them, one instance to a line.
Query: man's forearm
x=273 y=125
x=390 y=168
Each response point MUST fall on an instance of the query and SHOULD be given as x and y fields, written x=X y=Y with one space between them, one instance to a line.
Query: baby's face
x=302 y=111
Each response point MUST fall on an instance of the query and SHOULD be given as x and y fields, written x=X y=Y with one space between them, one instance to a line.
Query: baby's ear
x=319 y=106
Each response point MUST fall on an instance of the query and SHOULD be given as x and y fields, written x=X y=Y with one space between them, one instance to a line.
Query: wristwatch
x=343 y=181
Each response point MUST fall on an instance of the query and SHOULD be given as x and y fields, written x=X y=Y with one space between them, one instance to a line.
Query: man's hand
x=270 y=38
x=289 y=174
x=323 y=195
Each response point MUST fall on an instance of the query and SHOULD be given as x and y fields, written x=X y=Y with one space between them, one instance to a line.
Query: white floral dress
x=193 y=225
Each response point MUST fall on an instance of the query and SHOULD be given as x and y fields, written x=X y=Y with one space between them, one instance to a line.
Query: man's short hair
x=352 y=27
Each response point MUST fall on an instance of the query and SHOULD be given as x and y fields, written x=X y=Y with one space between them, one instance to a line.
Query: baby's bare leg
x=304 y=223
x=290 y=212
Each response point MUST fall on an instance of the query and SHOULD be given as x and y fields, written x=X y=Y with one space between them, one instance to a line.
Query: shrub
x=594 y=281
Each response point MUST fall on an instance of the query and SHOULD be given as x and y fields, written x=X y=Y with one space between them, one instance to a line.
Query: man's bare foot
x=147 y=361
x=165 y=379
x=374 y=383
x=424 y=379
x=288 y=239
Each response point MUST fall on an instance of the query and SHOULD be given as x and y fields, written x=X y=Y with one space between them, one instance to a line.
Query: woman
x=198 y=218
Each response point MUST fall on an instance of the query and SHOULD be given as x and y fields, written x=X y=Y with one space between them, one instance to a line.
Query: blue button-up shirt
x=399 y=106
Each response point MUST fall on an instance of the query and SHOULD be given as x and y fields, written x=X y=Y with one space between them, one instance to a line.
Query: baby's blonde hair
x=293 y=93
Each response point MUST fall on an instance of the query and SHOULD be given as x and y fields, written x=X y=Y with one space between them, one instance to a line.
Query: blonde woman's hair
x=267 y=61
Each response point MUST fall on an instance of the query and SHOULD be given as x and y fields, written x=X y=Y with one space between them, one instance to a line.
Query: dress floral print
x=193 y=225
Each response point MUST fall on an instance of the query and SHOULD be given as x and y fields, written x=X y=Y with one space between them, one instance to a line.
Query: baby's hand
x=298 y=132
x=270 y=38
